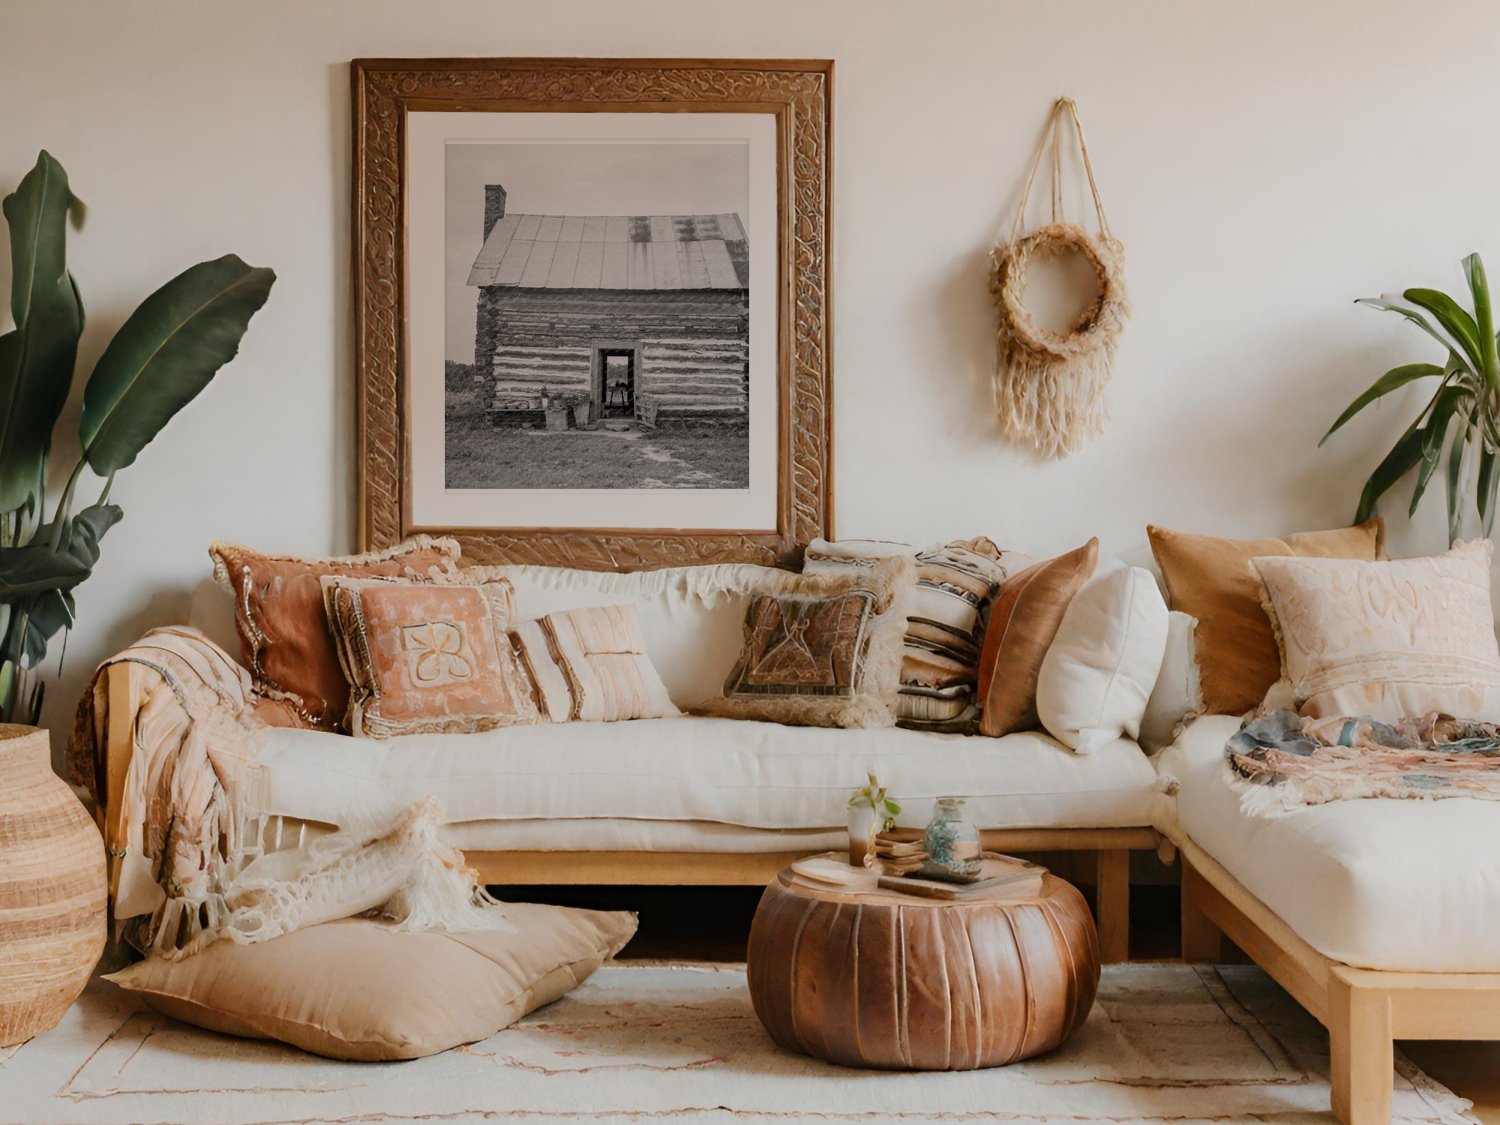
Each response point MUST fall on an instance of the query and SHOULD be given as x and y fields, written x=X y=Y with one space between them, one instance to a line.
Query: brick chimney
x=494 y=206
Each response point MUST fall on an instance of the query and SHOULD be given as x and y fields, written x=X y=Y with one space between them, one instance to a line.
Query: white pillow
x=1178 y=694
x=1098 y=674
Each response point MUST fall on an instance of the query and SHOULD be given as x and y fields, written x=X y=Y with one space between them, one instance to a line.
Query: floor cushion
x=1379 y=884
x=357 y=990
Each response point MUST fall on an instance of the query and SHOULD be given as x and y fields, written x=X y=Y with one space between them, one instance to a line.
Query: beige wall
x=1264 y=164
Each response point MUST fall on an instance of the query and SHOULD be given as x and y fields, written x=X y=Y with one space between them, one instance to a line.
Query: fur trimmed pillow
x=285 y=639
x=823 y=649
x=427 y=657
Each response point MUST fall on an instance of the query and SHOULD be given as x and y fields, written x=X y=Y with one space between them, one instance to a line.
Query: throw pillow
x=1215 y=581
x=357 y=990
x=590 y=665
x=1388 y=640
x=424 y=657
x=1177 y=695
x=956 y=584
x=823 y=649
x=1099 y=670
x=1026 y=617
x=285 y=640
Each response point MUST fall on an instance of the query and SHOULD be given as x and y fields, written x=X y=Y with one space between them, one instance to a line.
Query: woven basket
x=52 y=889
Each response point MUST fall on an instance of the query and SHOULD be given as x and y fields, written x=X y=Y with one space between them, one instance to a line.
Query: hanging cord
x=1052 y=137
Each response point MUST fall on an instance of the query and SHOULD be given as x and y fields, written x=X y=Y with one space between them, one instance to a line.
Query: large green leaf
x=1402 y=458
x=1488 y=480
x=1394 y=379
x=37 y=356
x=1484 y=317
x=1454 y=319
x=1391 y=302
x=166 y=353
x=1454 y=480
x=1448 y=402
x=37 y=567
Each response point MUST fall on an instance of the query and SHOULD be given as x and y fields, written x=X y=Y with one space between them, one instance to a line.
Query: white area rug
x=643 y=1042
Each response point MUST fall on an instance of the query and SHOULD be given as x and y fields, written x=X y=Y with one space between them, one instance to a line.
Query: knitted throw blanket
x=196 y=858
x=1280 y=761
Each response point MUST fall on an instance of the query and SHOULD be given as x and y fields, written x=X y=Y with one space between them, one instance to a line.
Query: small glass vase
x=951 y=843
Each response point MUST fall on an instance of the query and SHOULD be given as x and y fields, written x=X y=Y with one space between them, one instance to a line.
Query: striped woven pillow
x=956 y=583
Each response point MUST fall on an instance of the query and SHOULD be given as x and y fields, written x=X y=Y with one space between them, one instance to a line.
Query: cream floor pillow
x=1388 y=640
x=357 y=990
x=1101 y=666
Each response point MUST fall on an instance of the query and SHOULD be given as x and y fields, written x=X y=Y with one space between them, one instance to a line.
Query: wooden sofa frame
x=1111 y=846
x=1364 y=1010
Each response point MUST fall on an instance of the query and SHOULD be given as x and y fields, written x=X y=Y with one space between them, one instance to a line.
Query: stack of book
x=899 y=857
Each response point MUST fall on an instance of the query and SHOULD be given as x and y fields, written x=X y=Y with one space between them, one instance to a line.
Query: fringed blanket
x=190 y=840
x=1281 y=761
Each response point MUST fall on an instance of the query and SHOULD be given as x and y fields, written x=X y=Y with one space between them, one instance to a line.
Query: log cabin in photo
x=637 y=317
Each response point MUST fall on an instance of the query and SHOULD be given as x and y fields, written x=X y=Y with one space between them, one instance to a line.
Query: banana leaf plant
x=164 y=354
x=1457 y=428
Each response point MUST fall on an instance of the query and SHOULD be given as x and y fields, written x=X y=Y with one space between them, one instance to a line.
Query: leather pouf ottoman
x=889 y=980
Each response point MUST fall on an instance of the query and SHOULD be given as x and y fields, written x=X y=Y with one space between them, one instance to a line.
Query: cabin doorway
x=616 y=382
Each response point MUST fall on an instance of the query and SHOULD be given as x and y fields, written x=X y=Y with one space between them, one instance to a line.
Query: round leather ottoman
x=888 y=980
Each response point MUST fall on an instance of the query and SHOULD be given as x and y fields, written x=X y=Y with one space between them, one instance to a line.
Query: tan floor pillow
x=358 y=990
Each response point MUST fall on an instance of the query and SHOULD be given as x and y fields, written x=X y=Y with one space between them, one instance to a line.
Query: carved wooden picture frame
x=389 y=98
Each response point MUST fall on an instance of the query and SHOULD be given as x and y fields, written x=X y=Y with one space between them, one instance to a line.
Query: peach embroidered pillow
x=590 y=665
x=284 y=635
x=1390 y=640
x=427 y=657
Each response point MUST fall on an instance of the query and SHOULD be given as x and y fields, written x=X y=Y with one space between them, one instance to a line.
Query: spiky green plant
x=163 y=355
x=1457 y=427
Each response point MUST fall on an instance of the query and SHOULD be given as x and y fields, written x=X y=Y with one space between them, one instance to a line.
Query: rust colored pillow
x=427 y=657
x=1023 y=622
x=284 y=635
x=1215 y=581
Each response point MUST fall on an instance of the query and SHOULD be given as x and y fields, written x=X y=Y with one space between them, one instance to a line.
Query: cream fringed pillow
x=356 y=990
x=823 y=650
x=590 y=665
x=1388 y=640
x=427 y=657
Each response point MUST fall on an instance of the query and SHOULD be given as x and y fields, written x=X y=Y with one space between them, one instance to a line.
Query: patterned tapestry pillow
x=424 y=657
x=956 y=584
x=1214 y=580
x=1022 y=626
x=590 y=665
x=823 y=649
x=1387 y=640
x=284 y=634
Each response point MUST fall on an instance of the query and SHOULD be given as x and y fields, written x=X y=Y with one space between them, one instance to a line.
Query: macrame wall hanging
x=1049 y=386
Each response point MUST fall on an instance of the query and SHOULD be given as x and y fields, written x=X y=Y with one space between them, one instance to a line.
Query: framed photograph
x=591 y=307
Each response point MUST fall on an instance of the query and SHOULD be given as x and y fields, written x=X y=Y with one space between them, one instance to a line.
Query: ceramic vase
x=951 y=843
x=52 y=888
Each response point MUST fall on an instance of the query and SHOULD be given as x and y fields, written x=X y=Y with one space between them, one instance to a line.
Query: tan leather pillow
x=357 y=990
x=1214 y=580
x=427 y=657
x=1023 y=622
x=285 y=640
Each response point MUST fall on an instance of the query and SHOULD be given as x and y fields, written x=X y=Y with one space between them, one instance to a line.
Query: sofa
x=690 y=800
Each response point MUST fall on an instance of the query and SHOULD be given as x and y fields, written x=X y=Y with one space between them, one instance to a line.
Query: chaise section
x=1405 y=885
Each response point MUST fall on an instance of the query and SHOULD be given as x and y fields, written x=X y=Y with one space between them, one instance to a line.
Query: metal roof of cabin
x=615 y=252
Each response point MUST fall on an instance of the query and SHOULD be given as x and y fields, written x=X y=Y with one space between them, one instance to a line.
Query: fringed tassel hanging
x=1049 y=386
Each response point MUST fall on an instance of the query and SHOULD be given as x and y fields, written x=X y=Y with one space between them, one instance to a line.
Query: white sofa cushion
x=1378 y=884
x=1101 y=665
x=731 y=771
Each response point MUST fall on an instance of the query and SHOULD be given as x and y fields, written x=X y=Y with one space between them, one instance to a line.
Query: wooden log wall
x=691 y=345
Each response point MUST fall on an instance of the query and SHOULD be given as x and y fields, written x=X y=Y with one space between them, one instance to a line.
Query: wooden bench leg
x=1361 y=1052
x=1202 y=941
x=1112 y=886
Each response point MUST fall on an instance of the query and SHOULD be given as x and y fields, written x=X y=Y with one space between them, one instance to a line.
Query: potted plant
x=1457 y=427
x=164 y=354
x=871 y=811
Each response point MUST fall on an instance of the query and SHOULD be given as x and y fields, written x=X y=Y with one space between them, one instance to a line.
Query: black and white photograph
x=596 y=315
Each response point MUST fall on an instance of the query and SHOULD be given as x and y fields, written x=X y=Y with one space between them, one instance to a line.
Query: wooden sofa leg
x=1202 y=941
x=1112 y=886
x=1361 y=1052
